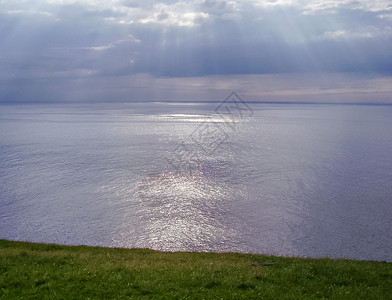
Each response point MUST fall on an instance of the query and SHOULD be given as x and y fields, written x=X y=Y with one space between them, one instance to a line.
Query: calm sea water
x=292 y=180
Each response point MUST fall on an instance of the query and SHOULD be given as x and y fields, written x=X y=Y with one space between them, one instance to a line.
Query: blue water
x=291 y=179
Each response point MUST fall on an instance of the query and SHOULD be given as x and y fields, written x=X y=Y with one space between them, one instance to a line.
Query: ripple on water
x=182 y=211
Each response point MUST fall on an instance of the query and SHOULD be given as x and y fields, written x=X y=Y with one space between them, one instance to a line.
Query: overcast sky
x=129 y=50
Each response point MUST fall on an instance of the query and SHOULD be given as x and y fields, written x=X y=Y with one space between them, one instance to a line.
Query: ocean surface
x=283 y=179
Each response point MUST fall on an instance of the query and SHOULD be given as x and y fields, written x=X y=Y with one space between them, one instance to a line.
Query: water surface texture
x=293 y=180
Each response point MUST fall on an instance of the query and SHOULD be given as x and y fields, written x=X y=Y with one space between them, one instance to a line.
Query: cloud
x=67 y=42
x=313 y=6
x=129 y=39
x=295 y=87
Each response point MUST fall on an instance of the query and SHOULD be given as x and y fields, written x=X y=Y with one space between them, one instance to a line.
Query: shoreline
x=195 y=252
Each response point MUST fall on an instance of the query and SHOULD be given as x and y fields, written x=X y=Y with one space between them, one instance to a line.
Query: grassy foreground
x=39 y=271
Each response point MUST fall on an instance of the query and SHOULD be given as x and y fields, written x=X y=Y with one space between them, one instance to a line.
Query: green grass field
x=39 y=271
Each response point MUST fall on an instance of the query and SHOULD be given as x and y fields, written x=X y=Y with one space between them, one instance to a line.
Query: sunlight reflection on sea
x=302 y=180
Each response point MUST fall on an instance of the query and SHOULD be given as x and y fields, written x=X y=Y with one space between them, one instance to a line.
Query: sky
x=130 y=50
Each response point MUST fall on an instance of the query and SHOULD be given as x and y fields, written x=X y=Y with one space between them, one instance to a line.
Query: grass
x=40 y=271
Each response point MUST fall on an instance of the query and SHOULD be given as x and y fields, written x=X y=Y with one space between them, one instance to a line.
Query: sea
x=285 y=179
